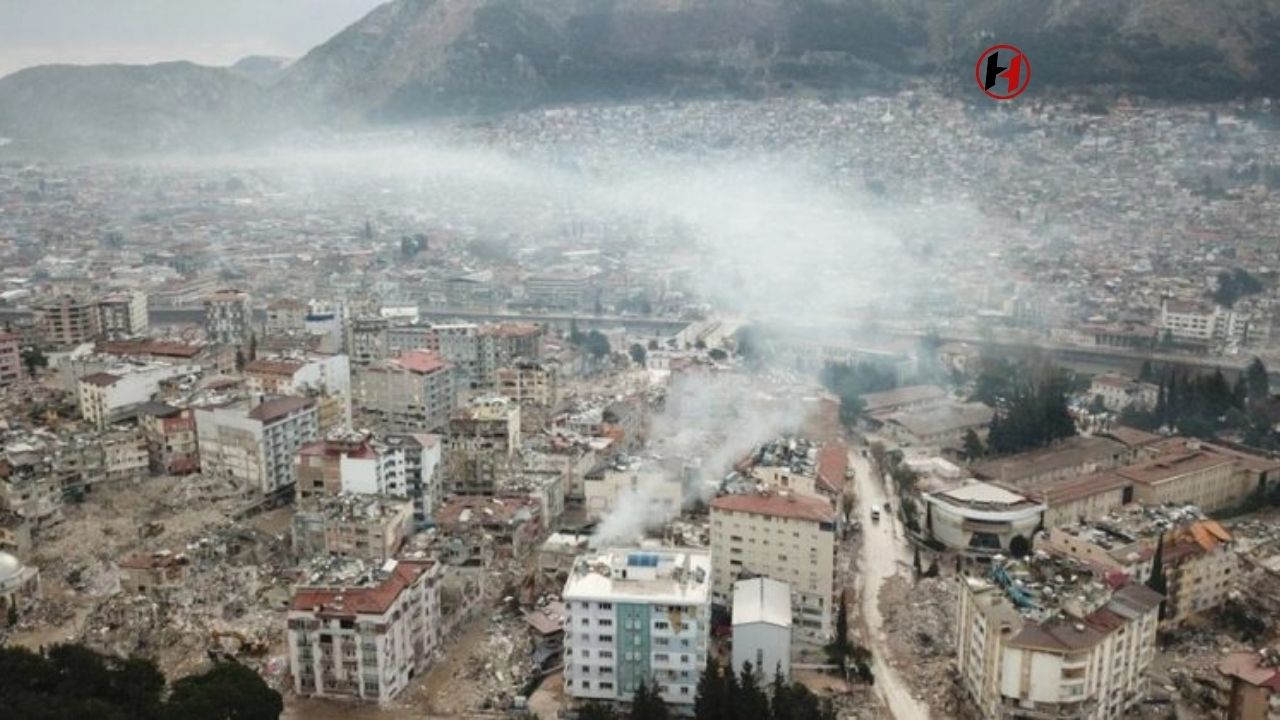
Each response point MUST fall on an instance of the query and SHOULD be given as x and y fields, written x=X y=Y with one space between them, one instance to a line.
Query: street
x=883 y=554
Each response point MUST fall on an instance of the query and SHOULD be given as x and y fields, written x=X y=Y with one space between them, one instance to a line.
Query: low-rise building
x=1255 y=685
x=943 y=425
x=762 y=627
x=637 y=616
x=982 y=519
x=1119 y=392
x=366 y=634
x=170 y=433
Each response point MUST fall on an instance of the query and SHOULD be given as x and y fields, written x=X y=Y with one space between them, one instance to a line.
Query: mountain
x=410 y=59
x=261 y=69
x=128 y=108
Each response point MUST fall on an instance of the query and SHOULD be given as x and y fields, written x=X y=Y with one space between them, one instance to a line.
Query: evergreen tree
x=1157 y=580
x=711 y=702
x=750 y=701
x=1258 y=382
x=915 y=562
x=973 y=448
x=638 y=353
x=647 y=704
x=596 y=711
x=229 y=690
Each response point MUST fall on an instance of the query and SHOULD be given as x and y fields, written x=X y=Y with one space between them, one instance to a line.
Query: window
x=605 y=606
x=661 y=625
x=605 y=622
x=605 y=654
x=604 y=638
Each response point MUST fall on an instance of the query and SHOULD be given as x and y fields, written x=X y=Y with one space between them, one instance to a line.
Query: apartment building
x=10 y=358
x=29 y=487
x=1203 y=323
x=502 y=344
x=1197 y=555
x=123 y=315
x=528 y=383
x=1048 y=639
x=254 y=447
x=630 y=482
x=286 y=316
x=67 y=321
x=228 y=318
x=412 y=393
x=372 y=528
x=313 y=375
x=481 y=444
x=394 y=466
x=106 y=397
x=637 y=616
x=124 y=455
x=785 y=536
x=366 y=634
x=367 y=343
x=1119 y=392
x=170 y=434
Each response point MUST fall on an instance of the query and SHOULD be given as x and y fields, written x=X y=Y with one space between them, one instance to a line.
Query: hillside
x=410 y=59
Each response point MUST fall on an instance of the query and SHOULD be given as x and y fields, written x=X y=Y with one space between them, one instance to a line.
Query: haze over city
x=576 y=360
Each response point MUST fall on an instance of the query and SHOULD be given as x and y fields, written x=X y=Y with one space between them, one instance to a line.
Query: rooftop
x=1081 y=450
x=986 y=496
x=420 y=361
x=667 y=576
x=762 y=600
x=901 y=396
x=370 y=593
x=277 y=408
x=778 y=504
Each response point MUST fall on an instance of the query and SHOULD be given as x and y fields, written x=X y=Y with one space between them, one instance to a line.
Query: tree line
x=1031 y=404
x=72 y=681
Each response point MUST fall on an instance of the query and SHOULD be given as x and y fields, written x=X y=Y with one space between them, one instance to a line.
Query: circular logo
x=1003 y=72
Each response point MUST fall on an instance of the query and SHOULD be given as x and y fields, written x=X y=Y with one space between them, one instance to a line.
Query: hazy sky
x=218 y=32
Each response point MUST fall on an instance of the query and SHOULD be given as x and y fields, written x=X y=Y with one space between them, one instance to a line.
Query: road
x=883 y=554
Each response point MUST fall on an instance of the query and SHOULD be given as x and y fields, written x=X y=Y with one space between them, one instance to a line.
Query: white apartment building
x=123 y=315
x=228 y=319
x=1203 y=323
x=636 y=616
x=412 y=393
x=1042 y=640
x=304 y=376
x=254 y=447
x=367 y=639
x=355 y=463
x=105 y=396
x=785 y=536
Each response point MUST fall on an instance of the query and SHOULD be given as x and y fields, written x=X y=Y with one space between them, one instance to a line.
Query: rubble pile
x=919 y=621
x=494 y=672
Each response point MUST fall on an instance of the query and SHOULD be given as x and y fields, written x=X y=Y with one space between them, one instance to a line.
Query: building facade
x=412 y=393
x=254 y=447
x=637 y=616
x=228 y=319
x=123 y=315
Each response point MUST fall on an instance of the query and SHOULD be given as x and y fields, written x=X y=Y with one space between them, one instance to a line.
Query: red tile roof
x=789 y=505
x=348 y=602
x=420 y=361
x=150 y=347
x=833 y=462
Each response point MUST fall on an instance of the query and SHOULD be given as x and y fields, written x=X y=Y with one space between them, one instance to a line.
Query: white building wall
x=765 y=645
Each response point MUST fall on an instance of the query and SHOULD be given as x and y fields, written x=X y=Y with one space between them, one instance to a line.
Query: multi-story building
x=637 y=616
x=254 y=447
x=1197 y=555
x=1044 y=639
x=228 y=319
x=411 y=393
x=459 y=344
x=781 y=535
x=528 y=383
x=368 y=340
x=123 y=315
x=365 y=527
x=502 y=344
x=1255 y=685
x=365 y=638
x=170 y=432
x=395 y=466
x=1119 y=392
x=124 y=455
x=29 y=487
x=561 y=287
x=311 y=375
x=483 y=439
x=67 y=321
x=286 y=316
x=1203 y=323
x=1190 y=475
x=105 y=397
x=656 y=496
x=10 y=358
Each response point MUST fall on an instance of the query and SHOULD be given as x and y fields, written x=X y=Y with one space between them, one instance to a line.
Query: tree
x=750 y=701
x=1257 y=383
x=240 y=359
x=33 y=359
x=1098 y=405
x=973 y=447
x=229 y=690
x=647 y=704
x=638 y=353
x=596 y=711
x=718 y=354
x=838 y=649
x=253 y=346
x=711 y=703
x=597 y=345
x=1157 y=580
